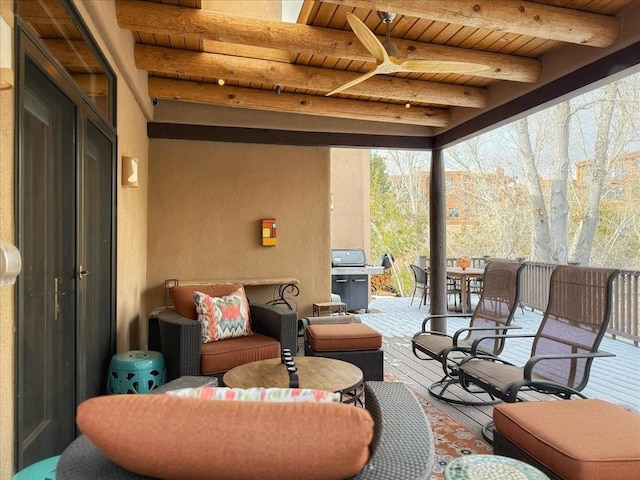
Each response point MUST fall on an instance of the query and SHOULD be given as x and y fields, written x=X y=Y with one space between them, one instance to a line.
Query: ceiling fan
x=387 y=56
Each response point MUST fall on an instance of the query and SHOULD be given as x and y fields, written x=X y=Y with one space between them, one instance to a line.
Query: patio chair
x=493 y=314
x=564 y=346
x=421 y=279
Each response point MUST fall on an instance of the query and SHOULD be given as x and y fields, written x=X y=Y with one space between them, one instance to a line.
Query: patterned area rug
x=451 y=439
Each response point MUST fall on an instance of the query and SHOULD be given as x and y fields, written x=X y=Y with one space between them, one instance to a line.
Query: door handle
x=83 y=272
x=57 y=293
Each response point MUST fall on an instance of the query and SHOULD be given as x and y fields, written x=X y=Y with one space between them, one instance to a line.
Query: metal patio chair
x=493 y=315
x=421 y=279
x=564 y=346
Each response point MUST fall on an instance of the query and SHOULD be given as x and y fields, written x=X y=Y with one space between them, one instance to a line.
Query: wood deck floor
x=614 y=379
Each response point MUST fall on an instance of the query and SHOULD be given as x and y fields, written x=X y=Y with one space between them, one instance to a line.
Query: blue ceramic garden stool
x=42 y=470
x=137 y=371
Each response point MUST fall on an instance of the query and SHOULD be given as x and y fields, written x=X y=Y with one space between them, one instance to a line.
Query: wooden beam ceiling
x=186 y=50
x=514 y=16
x=156 y=18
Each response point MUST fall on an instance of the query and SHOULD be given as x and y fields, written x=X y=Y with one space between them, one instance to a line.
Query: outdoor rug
x=451 y=439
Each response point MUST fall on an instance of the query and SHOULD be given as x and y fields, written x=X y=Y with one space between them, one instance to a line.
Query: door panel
x=46 y=328
x=94 y=260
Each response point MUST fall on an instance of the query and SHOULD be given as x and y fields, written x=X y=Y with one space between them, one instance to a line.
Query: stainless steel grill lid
x=352 y=257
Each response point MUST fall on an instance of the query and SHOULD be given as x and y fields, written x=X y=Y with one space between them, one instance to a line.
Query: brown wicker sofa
x=176 y=333
x=401 y=448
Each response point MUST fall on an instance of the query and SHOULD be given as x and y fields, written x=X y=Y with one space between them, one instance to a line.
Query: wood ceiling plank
x=292 y=103
x=515 y=16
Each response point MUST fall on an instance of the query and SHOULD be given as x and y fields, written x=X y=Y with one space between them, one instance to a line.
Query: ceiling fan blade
x=352 y=82
x=367 y=38
x=437 y=66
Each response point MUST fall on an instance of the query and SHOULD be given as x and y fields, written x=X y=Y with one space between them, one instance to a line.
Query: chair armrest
x=402 y=444
x=477 y=341
x=460 y=331
x=181 y=341
x=528 y=367
x=450 y=315
x=276 y=322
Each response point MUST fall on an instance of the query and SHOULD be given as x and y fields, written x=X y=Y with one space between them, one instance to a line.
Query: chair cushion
x=184 y=438
x=218 y=357
x=577 y=439
x=343 y=337
x=223 y=317
x=182 y=296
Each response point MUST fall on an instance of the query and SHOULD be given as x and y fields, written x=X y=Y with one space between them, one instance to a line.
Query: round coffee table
x=318 y=373
x=491 y=467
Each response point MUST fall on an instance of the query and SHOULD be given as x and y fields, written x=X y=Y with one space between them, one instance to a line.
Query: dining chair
x=421 y=282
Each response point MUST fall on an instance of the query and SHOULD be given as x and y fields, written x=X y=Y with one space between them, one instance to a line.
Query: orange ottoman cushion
x=577 y=439
x=343 y=337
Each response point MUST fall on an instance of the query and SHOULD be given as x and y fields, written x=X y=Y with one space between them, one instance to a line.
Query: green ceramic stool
x=137 y=371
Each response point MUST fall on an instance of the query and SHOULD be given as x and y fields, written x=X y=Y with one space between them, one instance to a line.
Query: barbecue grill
x=350 y=277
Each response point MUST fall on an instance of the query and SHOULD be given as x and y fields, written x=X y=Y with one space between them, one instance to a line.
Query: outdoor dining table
x=464 y=276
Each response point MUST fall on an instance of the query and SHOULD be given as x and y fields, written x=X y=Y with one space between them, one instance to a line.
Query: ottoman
x=570 y=439
x=355 y=343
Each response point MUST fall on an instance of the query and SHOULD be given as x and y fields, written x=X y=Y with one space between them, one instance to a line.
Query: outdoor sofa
x=401 y=446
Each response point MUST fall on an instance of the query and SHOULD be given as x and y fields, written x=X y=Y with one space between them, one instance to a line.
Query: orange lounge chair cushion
x=218 y=357
x=343 y=337
x=577 y=439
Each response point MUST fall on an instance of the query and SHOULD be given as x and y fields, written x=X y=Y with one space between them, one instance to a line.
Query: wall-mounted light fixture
x=6 y=46
x=129 y=172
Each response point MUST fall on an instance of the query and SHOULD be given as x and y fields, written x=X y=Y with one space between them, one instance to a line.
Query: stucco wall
x=7 y=307
x=350 y=214
x=206 y=201
x=132 y=224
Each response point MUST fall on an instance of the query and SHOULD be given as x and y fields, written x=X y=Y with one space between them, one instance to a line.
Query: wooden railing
x=625 y=315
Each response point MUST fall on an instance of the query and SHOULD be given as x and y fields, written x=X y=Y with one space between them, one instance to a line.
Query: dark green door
x=46 y=325
x=65 y=334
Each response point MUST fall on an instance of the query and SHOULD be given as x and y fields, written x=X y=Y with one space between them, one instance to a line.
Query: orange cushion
x=182 y=296
x=189 y=439
x=349 y=336
x=577 y=439
x=218 y=357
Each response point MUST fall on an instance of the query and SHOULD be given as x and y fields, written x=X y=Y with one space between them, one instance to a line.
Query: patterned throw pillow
x=223 y=317
x=258 y=394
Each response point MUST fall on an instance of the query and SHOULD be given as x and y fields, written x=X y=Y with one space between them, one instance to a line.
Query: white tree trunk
x=583 y=240
x=541 y=241
x=558 y=204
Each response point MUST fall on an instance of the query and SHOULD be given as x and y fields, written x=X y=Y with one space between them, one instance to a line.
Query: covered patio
x=214 y=119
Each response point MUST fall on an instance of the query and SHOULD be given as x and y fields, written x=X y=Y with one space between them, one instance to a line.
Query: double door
x=65 y=294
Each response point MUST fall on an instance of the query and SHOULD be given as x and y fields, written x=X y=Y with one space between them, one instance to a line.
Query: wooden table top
x=318 y=373
x=467 y=272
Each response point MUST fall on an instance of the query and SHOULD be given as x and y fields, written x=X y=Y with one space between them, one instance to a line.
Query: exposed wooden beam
x=514 y=16
x=183 y=62
x=156 y=18
x=168 y=89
